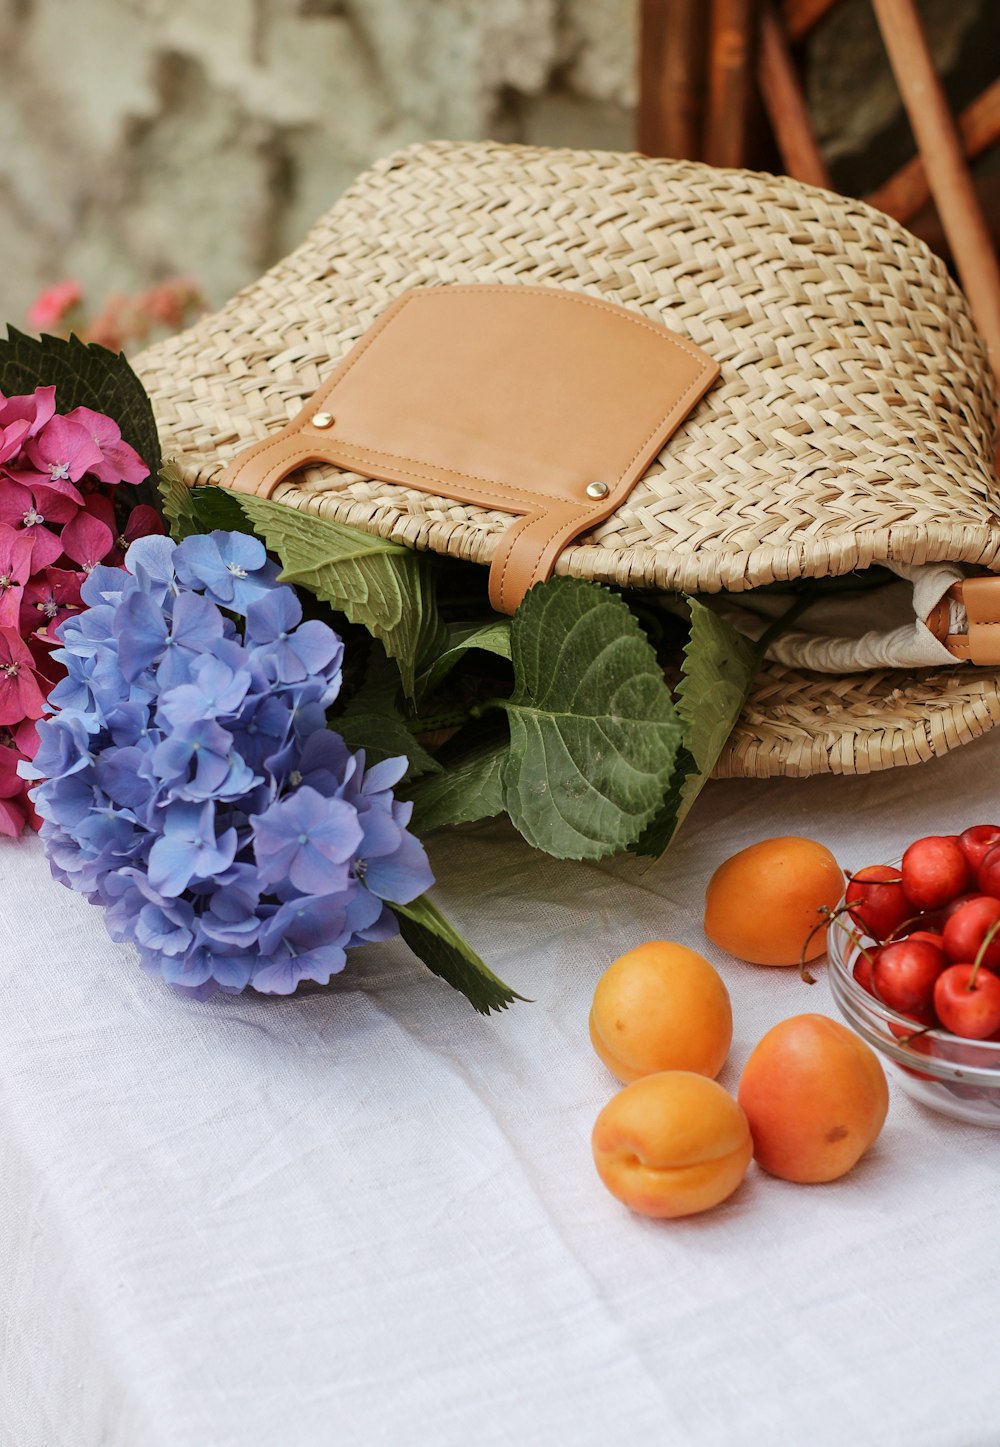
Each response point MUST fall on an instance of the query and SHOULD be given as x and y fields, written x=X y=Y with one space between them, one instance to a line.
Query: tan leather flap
x=533 y=400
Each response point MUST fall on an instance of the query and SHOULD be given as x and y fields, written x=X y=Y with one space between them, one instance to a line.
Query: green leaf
x=684 y=785
x=175 y=498
x=718 y=667
x=594 y=734
x=384 y=586
x=384 y=736
x=216 y=508
x=372 y=720
x=465 y=790
x=443 y=950
x=198 y=509
x=492 y=637
x=85 y=375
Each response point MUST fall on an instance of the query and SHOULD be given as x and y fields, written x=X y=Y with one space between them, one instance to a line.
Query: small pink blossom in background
x=121 y=322
x=51 y=307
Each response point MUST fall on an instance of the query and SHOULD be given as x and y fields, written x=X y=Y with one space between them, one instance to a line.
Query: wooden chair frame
x=701 y=61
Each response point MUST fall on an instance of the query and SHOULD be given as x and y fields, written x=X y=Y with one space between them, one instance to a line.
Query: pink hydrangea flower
x=142 y=522
x=37 y=408
x=20 y=695
x=12 y=439
x=119 y=462
x=87 y=540
x=49 y=596
x=16 y=810
x=21 y=508
x=16 y=548
x=52 y=533
x=12 y=813
x=63 y=452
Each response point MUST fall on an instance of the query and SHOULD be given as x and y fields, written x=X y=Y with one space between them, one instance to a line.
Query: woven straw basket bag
x=851 y=424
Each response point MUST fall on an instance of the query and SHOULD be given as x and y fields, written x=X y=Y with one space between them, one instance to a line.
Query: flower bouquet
x=238 y=735
x=192 y=787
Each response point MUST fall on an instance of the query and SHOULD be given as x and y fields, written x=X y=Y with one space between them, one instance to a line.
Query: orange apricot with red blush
x=672 y=1144
x=816 y=1098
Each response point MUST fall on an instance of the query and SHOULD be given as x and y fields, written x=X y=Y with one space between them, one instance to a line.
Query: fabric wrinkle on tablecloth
x=370 y=1216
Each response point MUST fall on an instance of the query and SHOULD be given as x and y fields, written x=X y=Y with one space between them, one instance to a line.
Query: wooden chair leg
x=785 y=103
x=671 y=77
x=944 y=160
x=908 y=192
x=800 y=16
x=731 y=33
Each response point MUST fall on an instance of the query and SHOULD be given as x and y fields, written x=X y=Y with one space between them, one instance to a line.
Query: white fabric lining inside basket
x=852 y=632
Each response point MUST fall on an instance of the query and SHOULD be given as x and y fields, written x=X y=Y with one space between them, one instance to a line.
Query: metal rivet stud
x=597 y=489
x=322 y=419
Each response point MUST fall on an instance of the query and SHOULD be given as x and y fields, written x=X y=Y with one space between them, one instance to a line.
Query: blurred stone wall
x=148 y=138
x=142 y=138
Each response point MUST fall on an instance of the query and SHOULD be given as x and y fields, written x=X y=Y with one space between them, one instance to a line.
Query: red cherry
x=862 y=971
x=928 y=937
x=877 y=903
x=956 y=904
x=989 y=873
x=976 y=843
x=934 y=871
x=903 y=978
x=967 y=928
x=967 y=1001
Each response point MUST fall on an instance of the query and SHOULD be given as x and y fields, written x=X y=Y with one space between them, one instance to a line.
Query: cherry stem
x=914 y=919
x=914 y=1034
x=987 y=941
x=832 y=916
x=856 y=878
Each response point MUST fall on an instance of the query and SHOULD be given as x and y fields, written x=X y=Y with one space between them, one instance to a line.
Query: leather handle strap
x=979 y=600
x=527 y=552
x=261 y=467
x=528 y=548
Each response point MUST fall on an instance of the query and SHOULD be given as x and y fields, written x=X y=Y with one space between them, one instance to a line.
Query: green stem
x=987 y=941
x=437 y=721
x=785 y=620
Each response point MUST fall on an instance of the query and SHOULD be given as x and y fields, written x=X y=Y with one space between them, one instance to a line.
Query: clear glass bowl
x=958 y=1077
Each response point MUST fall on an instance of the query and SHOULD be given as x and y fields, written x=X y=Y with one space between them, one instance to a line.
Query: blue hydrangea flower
x=190 y=785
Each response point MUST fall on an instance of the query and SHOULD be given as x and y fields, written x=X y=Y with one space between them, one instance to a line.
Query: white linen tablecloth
x=370 y=1216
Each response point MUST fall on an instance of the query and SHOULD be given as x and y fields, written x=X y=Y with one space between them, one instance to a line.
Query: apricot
x=672 y=1144
x=816 y=1098
x=763 y=903
x=661 y=1007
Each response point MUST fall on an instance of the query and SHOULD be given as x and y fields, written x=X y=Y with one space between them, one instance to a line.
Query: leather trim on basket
x=518 y=398
x=979 y=599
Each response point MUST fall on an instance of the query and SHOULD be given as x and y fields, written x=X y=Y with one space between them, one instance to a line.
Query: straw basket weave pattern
x=852 y=424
